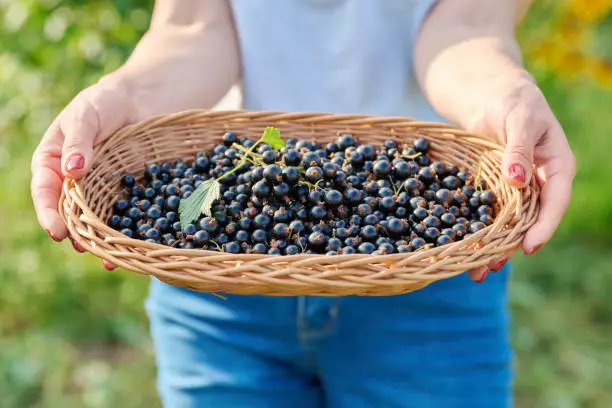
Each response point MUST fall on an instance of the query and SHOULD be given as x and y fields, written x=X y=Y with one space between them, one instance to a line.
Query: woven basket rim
x=73 y=191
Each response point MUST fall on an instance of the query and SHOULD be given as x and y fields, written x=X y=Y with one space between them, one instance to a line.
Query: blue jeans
x=444 y=346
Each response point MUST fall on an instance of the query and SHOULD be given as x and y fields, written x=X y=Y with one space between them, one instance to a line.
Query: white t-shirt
x=336 y=56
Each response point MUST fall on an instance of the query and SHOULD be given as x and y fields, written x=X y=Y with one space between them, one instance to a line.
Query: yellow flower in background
x=600 y=71
x=572 y=64
x=564 y=49
x=590 y=11
x=570 y=31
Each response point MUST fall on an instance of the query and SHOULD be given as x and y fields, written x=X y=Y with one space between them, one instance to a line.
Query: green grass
x=73 y=334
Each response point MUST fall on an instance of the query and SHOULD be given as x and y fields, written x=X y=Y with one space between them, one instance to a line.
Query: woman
x=456 y=60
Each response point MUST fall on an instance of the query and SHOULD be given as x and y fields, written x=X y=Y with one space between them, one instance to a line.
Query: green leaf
x=271 y=136
x=199 y=202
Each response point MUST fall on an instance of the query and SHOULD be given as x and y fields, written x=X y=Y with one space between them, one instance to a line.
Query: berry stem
x=242 y=162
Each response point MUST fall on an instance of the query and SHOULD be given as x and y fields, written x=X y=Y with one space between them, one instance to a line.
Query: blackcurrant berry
x=345 y=141
x=292 y=250
x=232 y=247
x=272 y=172
x=487 y=197
x=443 y=240
x=291 y=175
x=432 y=221
x=317 y=239
x=368 y=232
x=382 y=168
x=261 y=189
x=431 y=234
x=366 y=248
x=476 y=226
x=314 y=174
x=291 y=157
x=421 y=145
x=201 y=237
x=268 y=157
x=262 y=221
x=128 y=180
x=333 y=197
x=229 y=138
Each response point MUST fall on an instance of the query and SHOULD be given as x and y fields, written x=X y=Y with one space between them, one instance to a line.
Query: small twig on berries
x=414 y=156
x=217 y=245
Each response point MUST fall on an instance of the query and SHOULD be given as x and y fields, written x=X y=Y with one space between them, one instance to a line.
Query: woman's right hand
x=66 y=148
x=189 y=58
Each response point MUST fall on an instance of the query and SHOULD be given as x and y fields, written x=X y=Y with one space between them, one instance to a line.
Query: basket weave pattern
x=86 y=204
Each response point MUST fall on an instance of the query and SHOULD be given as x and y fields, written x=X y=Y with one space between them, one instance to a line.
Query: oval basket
x=86 y=204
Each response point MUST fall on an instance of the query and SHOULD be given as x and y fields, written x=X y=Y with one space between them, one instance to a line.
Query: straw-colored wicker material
x=86 y=204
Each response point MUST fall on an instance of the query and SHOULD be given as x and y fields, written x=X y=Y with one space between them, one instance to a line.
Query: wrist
x=119 y=85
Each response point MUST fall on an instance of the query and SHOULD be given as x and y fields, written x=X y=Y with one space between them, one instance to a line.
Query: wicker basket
x=86 y=204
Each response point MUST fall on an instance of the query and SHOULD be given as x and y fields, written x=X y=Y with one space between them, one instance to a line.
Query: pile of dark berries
x=341 y=198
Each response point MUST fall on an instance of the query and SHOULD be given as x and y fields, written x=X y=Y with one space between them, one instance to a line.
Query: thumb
x=79 y=123
x=517 y=163
x=92 y=116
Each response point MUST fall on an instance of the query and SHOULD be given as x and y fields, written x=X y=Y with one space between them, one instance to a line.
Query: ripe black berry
x=232 y=247
x=366 y=248
x=421 y=145
x=476 y=226
x=432 y=221
x=382 y=168
x=443 y=240
x=487 y=198
x=333 y=197
x=261 y=189
x=229 y=138
x=128 y=180
x=317 y=239
x=368 y=232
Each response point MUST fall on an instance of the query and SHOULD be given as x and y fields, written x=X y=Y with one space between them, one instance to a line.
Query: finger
x=497 y=265
x=479 y=275
x=556 y=172
x=555 y=197
x=46 y=183
x=76 y=246
x=523 y=130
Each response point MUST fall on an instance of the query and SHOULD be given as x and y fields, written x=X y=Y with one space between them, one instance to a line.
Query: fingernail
x=53 y=236
x=76 y=246
x=75 y=162
x=483 y=277
x=107 y=265
x=500 y=264
x=534 y=249
x=517 y=172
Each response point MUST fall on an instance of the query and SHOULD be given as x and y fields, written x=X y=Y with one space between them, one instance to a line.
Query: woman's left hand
x=515 y=112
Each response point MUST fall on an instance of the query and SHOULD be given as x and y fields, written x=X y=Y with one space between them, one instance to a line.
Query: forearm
x=475 y=52
x=184 y=61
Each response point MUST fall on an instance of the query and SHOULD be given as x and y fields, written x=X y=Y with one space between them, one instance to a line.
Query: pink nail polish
x=75 y=162
x=76 y=246
x=483 y=277
x=107 y=265
x=517 y=172
x=500 y=264
x=53 y=236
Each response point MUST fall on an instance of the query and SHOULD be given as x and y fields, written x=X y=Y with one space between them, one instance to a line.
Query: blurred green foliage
x=75 y=335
